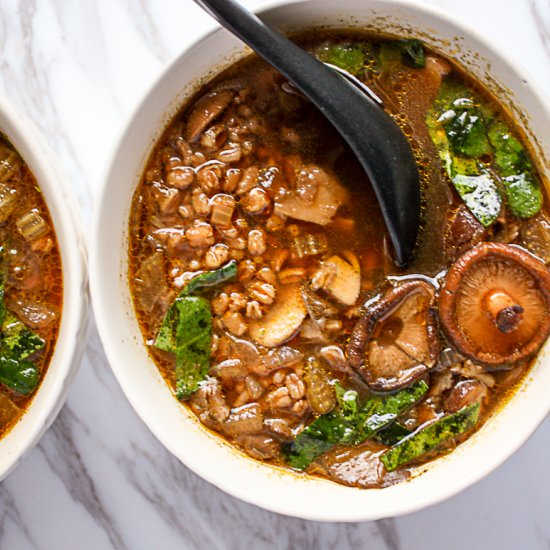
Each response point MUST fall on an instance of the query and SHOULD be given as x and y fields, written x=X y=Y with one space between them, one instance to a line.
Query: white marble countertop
x=99 y=479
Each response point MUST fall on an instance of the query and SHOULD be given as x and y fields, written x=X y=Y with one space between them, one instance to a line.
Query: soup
x=263 y=281
x=31 y=286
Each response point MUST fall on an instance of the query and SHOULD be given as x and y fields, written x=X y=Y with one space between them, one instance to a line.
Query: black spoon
x=374 y=137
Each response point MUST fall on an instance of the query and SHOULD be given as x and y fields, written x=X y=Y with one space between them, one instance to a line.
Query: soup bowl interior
x=174 y=425
x=71 y=338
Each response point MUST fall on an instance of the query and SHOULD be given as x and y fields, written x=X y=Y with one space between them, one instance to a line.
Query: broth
x=31 y=286
x=264 y=286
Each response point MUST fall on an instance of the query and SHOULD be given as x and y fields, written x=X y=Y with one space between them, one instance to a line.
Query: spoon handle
x=309 y=75
x=376 y=140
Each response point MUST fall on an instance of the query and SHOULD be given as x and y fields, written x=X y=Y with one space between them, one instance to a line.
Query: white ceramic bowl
x=72 y=332
x=172 y=423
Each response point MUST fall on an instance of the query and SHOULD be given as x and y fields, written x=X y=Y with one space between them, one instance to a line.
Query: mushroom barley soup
x=263 y=281
x=30 y=286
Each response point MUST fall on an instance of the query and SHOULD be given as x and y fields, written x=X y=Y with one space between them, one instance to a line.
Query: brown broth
x=33 y=278
x=279 y=132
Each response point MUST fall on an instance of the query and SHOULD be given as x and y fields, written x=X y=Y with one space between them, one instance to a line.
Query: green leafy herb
x=481 y=195
x=465 y=129
x=350 y=57
x=17 y=344
x=18 y=341
x=523 y=194
x=350 y=423
x=194 y=346
x=412 y=52
x=382 y=410
x=510 y=156
x=186 y=329
x=210 y=279
x=320 y=436
x=348 y=401
x=470 y=136
x=19 y=376
x=409 y=52
x=432 y=436
x=392 y=434
x=457 y=142
x=522 y=189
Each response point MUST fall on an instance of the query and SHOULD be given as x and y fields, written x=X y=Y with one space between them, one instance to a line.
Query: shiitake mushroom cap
x=495 y=304
x=395 y=340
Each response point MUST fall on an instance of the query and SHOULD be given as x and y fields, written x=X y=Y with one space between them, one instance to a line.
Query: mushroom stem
x=503 y=311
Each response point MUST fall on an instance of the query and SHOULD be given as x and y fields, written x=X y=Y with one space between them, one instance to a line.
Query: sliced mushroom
x=317 y=307
x=282 y=357
x=320 y=311
x=206 y=110
x=395 y=342
x=283 y=319
x=244 y=420
x=495 y=304
x=259 y=446
x=9 y=411
x=466 y=392
x=340 y=279
x=468 y=369
x=321 y=209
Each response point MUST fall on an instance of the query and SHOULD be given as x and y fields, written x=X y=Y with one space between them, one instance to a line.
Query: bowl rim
x=110 y=344
x=64 y=213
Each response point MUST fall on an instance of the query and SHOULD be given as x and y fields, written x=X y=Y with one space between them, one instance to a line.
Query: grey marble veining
x=540 y=12
x=99 y=479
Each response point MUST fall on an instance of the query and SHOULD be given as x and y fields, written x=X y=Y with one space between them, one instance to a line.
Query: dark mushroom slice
x=395 y=342
x=464 y=394
x=463 y=232
x=206 y=111
x=283 y=320
x=495 y=304
x=359 y=467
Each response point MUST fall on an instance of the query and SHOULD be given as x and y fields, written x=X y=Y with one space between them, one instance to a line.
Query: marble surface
x=99 y=479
